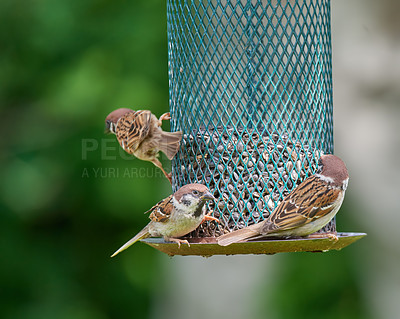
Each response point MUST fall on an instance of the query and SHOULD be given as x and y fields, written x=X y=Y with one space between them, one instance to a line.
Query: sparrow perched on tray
x=176 y=215
x=308 y=208
x=139 y=133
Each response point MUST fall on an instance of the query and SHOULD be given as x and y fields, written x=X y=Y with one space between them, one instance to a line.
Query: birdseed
x=248 y=173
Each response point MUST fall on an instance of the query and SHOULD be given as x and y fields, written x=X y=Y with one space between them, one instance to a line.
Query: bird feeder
x=251 y=89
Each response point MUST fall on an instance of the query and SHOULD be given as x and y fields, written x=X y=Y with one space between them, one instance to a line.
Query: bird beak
x=107 y=128
x=207 y=196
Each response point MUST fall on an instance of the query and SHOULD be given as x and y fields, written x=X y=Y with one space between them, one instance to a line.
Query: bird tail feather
x=144 y=233
x=237 y=236
x=169 y=143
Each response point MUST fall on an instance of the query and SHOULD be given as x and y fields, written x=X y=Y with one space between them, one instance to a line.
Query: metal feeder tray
x=208 y=246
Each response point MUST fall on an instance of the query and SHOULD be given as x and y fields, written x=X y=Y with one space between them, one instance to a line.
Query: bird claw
x=208 y=217
x=165 y=117
x=178 y=241
x=331 y=236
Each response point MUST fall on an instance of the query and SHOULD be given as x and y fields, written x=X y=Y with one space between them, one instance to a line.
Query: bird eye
x=319 y=170
x=195 y=192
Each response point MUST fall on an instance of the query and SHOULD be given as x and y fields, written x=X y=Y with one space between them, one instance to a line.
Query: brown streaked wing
x=136 y=126
x=309 y=201
x=161 y=212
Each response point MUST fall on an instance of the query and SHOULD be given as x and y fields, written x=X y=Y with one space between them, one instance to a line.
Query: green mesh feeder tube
x=251 y=88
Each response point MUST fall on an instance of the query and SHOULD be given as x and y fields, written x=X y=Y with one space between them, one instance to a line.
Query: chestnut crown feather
x=198 y=189
x=334 y=168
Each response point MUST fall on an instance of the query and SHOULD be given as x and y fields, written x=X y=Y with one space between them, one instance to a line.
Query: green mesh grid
x=251 y=88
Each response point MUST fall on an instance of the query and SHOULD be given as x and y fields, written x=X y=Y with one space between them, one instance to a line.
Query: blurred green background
x=69 y=197
x=64 y=65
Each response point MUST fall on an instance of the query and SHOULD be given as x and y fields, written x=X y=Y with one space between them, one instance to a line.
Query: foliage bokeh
x=64 y=65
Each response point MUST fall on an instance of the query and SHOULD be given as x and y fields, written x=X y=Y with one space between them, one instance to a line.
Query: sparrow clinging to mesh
x=176 y=215
x=308 y=208
x=139 y=133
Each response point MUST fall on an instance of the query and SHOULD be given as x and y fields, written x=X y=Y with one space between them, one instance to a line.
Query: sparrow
x=308 y=208
x=139 y=133
x=176 y=215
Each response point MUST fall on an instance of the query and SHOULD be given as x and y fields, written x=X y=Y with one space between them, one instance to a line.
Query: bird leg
x=177 y=240
x=164 y=117
x=209 y=217
x=157 y=163
x=330 y=236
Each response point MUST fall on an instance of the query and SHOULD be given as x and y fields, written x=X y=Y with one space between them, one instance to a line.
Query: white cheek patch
x=182 y=205
x=186 y=206
x=325 y=178
x=113 y=126
x=345 y=184
x=177 y=205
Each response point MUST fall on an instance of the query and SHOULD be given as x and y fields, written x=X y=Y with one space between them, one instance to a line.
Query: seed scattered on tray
x=248 y=173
